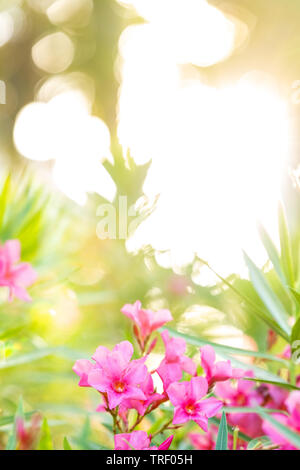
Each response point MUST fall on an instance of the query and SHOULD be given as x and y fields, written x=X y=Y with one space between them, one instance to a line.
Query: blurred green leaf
x=224 y=349
x=255 y=409
x=45 y=440
x=37 y=354
x=286 y=247
x=272 y=253
x=267 y=295
x=259 y=442
x=66 y=444
x=242 y=436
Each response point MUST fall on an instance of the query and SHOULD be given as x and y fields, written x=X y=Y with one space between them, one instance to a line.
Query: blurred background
x=190 y=109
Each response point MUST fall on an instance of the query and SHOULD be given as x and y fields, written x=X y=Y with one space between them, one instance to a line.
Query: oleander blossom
x=187 y=398
x=138 y=440
x=145 y=321
x=14 y=275
x=217 y=371
x=242 y=394
x=114 y=374
x=152 y=398
x=175 y=362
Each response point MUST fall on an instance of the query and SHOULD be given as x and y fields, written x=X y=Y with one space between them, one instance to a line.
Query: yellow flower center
x=119 y=387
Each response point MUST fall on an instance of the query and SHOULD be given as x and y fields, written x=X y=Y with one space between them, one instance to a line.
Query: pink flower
x=82 y=368
x=138 y=440
x=141 y=406
x=12 y=275
x=27 y=436
x=244 y=394
x=207 y=441
x=174 y=362
x=146 y=321
x=217 y=371
x=187 y=399
x=115 y=374
x=203 y=441
x=293 y=406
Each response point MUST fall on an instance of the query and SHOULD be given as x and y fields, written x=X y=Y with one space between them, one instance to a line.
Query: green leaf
x=66 y=444
x=46 y=440
x=222 y=438
x=295 y=336
x=37 y=354
x=272 y=253
x=292 y=437
x=282 y=384
x=248 y=409
x=224 y=349
x=267 y=295
x=296 y=295
x=255 y=308
x=12 y=331
x=286 y=247
x=259 y=442
x=242 y=436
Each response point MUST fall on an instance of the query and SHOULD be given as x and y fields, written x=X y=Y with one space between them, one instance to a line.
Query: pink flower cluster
x=126 y=383
x=245 y=393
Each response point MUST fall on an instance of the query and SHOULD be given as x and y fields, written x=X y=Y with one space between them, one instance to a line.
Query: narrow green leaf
x=272 y=253
x=220 y=348
x=46 y=440
x=242 y=436
x=296 y=331
x=37 y=354
x=66 y=444
x=291 y=436
x=267 y=295
x=222 y=438
x=248 y=409
x=286 y=247
x=281 y=384
x=296 y=295
x=256 y=309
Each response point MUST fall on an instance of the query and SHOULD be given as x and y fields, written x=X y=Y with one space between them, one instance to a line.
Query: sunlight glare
x=217 y=153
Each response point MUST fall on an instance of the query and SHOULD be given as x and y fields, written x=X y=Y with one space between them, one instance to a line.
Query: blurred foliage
x=84 y=281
